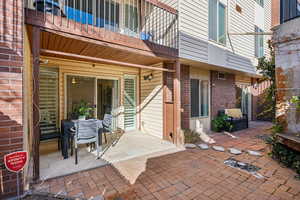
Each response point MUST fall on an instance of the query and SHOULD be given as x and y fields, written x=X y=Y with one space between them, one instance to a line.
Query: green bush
x=220 y=123
x=191 y=136
x=285 y=155
x=277 y=128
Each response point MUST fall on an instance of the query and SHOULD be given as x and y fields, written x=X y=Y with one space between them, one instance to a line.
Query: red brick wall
x=11 y=70
x=275 y=12
x=223 y=94
x=185 y=96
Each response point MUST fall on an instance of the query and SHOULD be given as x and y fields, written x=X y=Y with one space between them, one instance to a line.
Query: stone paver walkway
x=191 y=174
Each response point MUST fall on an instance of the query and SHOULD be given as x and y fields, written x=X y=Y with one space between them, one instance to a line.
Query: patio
x=191 y=174
x=130 y=145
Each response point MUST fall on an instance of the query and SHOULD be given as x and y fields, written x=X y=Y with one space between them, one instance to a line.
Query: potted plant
x=83 y=110
x=221 y=123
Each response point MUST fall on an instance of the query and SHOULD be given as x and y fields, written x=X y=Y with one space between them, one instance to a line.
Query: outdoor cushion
x=234 y=113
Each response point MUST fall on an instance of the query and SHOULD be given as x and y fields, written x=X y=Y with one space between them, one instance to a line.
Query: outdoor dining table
x=67 y=130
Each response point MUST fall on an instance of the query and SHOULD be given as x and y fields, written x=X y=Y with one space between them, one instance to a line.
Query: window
x=131 y=17
x=260 y=2
x=289 y=9
x=259 y=43
x=217 y=21
x=199 y=98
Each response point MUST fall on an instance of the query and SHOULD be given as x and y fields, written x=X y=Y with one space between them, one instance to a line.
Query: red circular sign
x=16 y=161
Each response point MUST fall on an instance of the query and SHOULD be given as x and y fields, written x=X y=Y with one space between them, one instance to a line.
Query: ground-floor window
x=199 y=98
x=242 y=97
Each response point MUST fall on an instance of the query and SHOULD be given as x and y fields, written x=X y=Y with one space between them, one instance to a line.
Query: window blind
x=48 y=101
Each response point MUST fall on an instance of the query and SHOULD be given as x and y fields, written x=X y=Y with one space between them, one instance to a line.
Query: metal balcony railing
x=148 y=20
x=289 y=9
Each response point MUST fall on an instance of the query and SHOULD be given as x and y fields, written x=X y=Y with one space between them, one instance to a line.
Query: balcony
x=289 y=9
x=149 y=21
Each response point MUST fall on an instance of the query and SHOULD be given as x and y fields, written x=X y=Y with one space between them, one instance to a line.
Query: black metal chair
x=106 y=123
x=57 y=135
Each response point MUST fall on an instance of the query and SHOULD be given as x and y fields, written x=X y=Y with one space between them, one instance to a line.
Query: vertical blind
x=48 y=101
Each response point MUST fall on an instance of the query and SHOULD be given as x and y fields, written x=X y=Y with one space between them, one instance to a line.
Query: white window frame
x=200 y=99
x=257 y=41
x=217 y=28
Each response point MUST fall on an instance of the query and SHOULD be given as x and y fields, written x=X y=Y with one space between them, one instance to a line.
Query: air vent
x=221 y=76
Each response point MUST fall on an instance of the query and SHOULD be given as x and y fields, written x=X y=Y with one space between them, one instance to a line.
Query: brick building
x=156 y=78
x=286 y=40
x=11 y=88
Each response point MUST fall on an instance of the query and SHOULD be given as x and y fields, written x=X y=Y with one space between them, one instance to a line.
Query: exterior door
x=129 y=103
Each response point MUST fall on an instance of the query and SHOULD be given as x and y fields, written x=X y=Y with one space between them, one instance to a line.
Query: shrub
x=220 y=123
x=285 y=155
x=277 y=128
x=191 y=136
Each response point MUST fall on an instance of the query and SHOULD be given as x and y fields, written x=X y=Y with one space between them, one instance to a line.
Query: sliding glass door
x=108 y=100
x=101 y=95
x=80 y=93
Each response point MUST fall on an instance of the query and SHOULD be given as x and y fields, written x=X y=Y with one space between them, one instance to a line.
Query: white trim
x=200 y=101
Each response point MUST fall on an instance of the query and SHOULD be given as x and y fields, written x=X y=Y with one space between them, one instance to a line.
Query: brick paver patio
x=191 y=174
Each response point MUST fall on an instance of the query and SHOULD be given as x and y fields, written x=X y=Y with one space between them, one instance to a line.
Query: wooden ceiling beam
x=102 y=60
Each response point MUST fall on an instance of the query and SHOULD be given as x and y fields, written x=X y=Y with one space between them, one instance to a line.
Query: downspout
x=227 y=25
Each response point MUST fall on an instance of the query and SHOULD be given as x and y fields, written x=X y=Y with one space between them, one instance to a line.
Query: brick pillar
x=223 y=94
x=287 y=44
x=11 y=83
x=185 y=96
x=275 y=12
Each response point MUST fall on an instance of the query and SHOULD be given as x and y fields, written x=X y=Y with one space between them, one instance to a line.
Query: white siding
x=193 y=30
x=238 y=54
x=152 y=103
x=268 y=21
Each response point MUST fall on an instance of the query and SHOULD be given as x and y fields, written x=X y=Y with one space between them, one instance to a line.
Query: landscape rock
x=203 y=146
x=254 y=153
x=218 y=148
x=190 y=146
x=235 y=151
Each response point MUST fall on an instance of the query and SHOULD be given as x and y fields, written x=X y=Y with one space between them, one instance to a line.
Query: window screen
x=195 y=98
x=217 y=21
x=204 y=98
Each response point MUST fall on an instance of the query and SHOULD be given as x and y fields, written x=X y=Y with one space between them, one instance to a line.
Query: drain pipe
x=227 y=29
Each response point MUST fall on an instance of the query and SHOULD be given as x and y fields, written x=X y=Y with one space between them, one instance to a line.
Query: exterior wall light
x=148 y=77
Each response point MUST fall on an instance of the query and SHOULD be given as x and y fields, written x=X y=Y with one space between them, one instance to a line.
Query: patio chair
x=86 y=132
x=106 y=125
